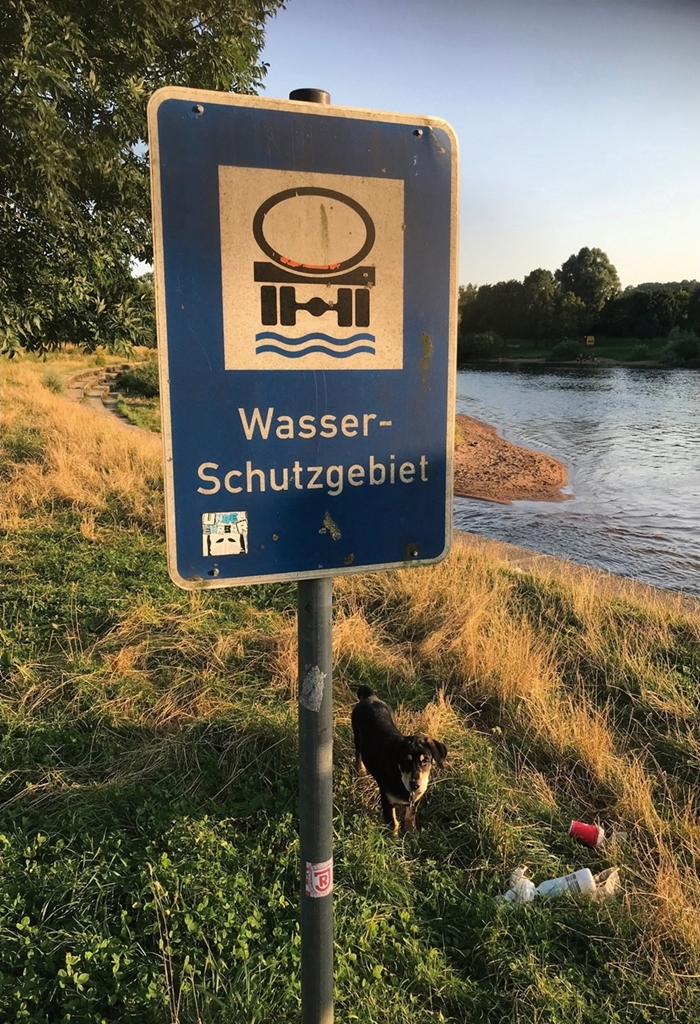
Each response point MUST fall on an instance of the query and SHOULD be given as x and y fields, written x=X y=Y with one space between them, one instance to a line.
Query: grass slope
x=148 y=772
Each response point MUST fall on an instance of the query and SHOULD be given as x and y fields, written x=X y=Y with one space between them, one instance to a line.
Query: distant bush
x=565 y=351
x=140 y=380
x=639 y=352
x=488 y=345
x=683 y=349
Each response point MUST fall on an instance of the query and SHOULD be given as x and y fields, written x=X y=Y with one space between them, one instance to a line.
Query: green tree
x=571 y=315
x=683 y=349
x=477 y=347
x=541 y=293
x=590 y=276
x=467 y=295
x=693 y=310
x=75 y=77
x=644 y=314
x=496 y=308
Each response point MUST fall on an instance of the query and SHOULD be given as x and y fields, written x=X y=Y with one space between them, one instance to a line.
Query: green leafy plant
x=140 y=380
x=566 y=351
x=76 y=79
x=683 y=348
x=488 y=345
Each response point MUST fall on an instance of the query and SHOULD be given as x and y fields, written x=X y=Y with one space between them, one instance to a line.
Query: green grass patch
x=141 y=379
x=142 y=412
x=619 y=349
x=150 y=853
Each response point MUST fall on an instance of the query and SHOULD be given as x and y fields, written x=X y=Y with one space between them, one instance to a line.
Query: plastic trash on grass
x=580 y=883
x=607 y=884
x=589 y=835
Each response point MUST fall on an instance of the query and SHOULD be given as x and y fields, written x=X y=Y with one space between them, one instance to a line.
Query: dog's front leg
x=389 y=812
x=409 y=821
x=361 y=770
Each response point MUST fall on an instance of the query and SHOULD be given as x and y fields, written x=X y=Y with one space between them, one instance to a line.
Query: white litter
x=580 y=883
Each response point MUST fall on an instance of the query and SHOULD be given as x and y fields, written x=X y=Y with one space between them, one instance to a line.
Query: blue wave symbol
x=314 y=348
x=338 y=348
x=313 y=336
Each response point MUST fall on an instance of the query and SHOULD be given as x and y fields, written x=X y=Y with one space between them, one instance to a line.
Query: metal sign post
x=315 y=649
x=315 y=612
x=306 y=299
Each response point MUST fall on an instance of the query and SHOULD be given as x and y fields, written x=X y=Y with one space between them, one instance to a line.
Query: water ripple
x=631 y=440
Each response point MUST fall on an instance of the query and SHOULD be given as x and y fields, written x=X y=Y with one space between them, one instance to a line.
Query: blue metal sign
x=306 y=297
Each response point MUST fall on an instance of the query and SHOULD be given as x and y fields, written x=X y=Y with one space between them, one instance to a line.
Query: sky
x=578 y=120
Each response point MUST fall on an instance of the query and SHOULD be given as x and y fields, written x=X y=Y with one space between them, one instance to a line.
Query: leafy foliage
x=683 y=349
x=488 y=345
x=75 y=77
x=140 y=380
x=566 y=351
x=664 y=286
x=590 y=276
x=582 y=297
x=538 y=308
x=650 y=313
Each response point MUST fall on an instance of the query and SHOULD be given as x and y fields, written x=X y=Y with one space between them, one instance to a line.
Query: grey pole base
x=315 y=618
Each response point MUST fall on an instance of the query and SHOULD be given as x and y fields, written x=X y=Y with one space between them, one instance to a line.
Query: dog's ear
x=438 y=750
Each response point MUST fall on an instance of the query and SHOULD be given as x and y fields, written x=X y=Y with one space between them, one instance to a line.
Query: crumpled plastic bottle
x=523 y=890
x=578 y=882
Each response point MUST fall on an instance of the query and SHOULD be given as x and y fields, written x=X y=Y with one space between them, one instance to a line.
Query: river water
x=631 y=441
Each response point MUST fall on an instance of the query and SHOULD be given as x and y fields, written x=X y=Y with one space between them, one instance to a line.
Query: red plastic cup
x=589 y=835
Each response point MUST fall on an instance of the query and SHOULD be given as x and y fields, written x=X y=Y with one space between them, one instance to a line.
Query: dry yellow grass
x=83 y=458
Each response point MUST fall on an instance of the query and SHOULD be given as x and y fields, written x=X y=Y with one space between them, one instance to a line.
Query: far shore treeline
x=555 y=311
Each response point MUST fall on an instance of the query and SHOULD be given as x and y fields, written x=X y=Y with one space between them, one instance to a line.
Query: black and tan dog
x=399 y=764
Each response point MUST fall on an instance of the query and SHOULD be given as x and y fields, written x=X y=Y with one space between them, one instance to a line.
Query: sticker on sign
x=224 y=533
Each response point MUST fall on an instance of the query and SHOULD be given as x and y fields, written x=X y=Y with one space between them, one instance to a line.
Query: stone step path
x=94 y=388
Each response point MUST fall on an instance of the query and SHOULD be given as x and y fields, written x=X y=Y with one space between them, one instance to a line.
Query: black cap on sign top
x=310 y=95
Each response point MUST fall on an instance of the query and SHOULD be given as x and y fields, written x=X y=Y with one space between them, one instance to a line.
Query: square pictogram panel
x=312 y=270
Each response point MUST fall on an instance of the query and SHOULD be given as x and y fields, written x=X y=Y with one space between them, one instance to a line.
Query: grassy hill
x=148 y=770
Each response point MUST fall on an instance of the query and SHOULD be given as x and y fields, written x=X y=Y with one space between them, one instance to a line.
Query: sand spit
x=489 y=467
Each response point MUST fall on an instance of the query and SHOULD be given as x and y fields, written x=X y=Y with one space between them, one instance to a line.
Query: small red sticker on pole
x=319 y=878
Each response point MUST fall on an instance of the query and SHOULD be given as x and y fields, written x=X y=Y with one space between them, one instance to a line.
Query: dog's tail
x=364 y=691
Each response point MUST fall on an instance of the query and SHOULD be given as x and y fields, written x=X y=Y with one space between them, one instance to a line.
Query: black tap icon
x=279 y=305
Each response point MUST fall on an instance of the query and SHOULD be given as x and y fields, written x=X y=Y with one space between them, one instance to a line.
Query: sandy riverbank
x=489 y=467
